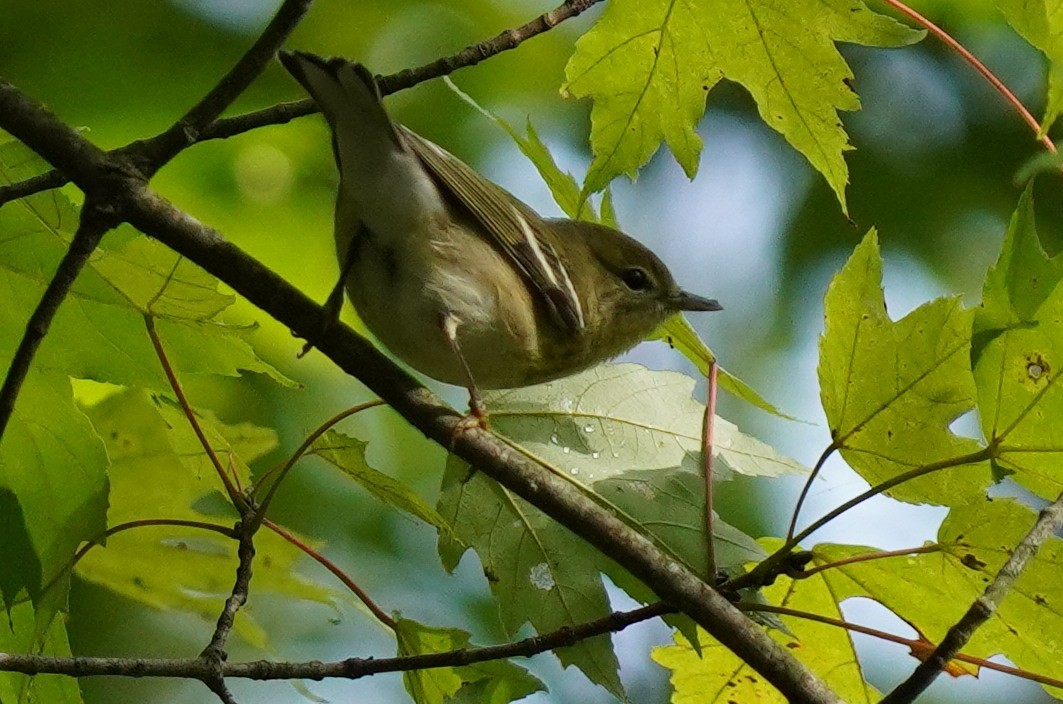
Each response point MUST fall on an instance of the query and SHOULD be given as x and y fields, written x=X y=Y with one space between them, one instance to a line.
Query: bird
x=457 y=277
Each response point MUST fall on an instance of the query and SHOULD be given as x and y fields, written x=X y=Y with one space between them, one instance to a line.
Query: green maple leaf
x=491 y=682
x=617 y=417
x=1040 y=22
x=634 y=437
x=539 y=571
x=649 y=65
x=932 y=591
x=51 y=462
x=24 y=632
x=891 y=389
x=1017 y=355
x=54 y=466
x=160 y=470
x=348 y=455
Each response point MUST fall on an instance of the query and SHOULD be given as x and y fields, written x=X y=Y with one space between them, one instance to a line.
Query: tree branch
x=148 y=157
x=215 y=650
x=1048 y=522
x=469 y=56
x=157 y=151
x=34 y=184
x=672 y=582
x=95 y=220
x=351 y=668
x=286 y=112
x=766 y=570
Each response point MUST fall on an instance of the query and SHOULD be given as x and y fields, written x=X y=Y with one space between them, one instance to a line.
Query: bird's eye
x=636 y=279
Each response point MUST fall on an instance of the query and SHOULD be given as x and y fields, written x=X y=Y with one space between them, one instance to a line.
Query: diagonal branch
x=469 y=56
x=286 y=112
x=157 y=151
x=1048 y=522
x=671 y=581
x=95 y=220
x=149 y=156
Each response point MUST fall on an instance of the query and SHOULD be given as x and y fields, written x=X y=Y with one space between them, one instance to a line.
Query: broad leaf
x=891 y=389
x=1018 y=356
x=159 y=470
x=633 y=436
x=23 y=633
x=539 y=572
x=931 y=591
x=617 y=417
x=649 y=66
x=491 y=682
x=53 y=463
x=718 y=675
x=348 y=455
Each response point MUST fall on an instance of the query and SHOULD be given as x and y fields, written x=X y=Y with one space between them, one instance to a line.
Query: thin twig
x=34 y=184
x=234 y=495
x=351 y=668
x=474 y=54
x=808 y=487
x=286 y=112
x=469 y=56
x=980 y=67
x=915 y=645
x=982 y=455
x=332 y=567
x=869 y=557
x=302 y=449
x=768 y=568
x=154 y=153
x=214 y=654
x=706 y=451
x=215 y=650
x=1048 y=522
x=95 y=221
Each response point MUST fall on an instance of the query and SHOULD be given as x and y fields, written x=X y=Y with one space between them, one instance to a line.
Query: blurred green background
x=936 y=156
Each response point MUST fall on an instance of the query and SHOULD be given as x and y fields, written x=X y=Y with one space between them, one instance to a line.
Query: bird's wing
x=512 y=226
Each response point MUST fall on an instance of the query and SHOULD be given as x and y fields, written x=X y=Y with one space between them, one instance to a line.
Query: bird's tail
x=348 y=96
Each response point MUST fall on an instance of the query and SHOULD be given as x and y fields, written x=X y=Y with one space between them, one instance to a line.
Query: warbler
x=455 y=275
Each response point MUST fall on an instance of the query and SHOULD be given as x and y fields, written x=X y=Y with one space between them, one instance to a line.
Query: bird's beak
x=692 y=302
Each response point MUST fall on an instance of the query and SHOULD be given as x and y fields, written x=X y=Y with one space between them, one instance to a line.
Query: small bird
x=456 y=276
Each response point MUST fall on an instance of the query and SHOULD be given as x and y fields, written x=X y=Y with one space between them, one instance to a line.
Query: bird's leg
x=334 y=302
x=477 y=412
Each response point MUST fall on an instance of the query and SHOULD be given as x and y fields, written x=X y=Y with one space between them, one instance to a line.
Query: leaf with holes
x=1018 y=357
